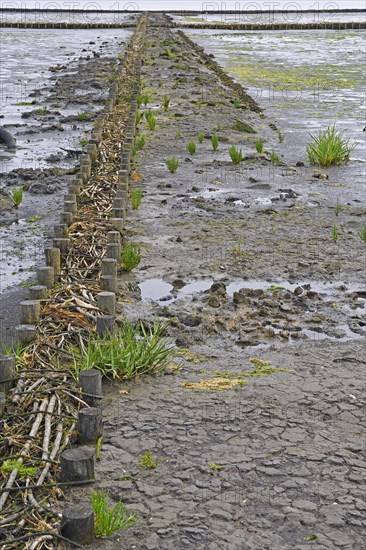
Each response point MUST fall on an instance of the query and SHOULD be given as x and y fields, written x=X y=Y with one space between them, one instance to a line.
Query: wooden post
x=77 y=523
x=77 y=464
x=114 y=251
x=25 y=333
x=105 y=325
x=90 y=425
x=2 y=403
x=53 y=258
x=118 y=224
x=114 y=237
x=61 y=231
x=70 y=206
x=66 y=218
x=46 y=276
x=108 y=283
x=109 y=267
x=38 y=292
x=30 y=312
x=63 y=245
x=107 y=302
x=91 y=385
x=7 y=372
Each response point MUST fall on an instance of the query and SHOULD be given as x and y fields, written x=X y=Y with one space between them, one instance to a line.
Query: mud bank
x=241 y=265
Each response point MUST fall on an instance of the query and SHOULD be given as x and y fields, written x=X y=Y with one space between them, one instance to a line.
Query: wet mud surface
x=260 y=427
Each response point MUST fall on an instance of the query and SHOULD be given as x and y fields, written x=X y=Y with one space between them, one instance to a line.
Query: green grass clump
x=83 y=115
x=41 y=111
x=166 y=101
x=172 y=164
x=145 y=99
x=108 y=520
x=136 y=198
x=23 y=471
x=191 y=147
x=216 y=467
x=139 y=100
x=151 y=120
x=170 y=54
x=237 y=103
x=214 y=142
x=139 y=116
x=131 y=257
x=131 y=351
x=236 y=154
x=337 y=208
x=275 y=158
x=335 y=233
x=149 y=462
x=200 y=137
x=329 y=147
x=259 y=146
x=363 y=234
x=17 y=195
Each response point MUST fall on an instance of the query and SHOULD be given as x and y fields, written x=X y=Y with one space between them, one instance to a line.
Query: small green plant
x=172 y=164
x=237 y=103
x=329 y=147
x=200 y=137
x=151 y=120
x=166 y=101
x=198 y=104
x=131 y=257
x=337 y=208
x=178 y=135
x=83 y=142
x=149 y=462
x=259 y=146
x=131 y=351
x=41 y=110
x=191 y=147
x=170 y=53
x=281 y=136
x=275 y=157
x=216 y=467
x=214 y=142
x=108 y=520
x=136 y=198
x=145 y=99
x=236 y=154
x=139 y=116
x=363 y=234
x=335 y=233
x=217 y=127
x=140 y=142
x=139 y=100
x=83 y=115
x=17 y=195
x=23 y=471
x=237 y=249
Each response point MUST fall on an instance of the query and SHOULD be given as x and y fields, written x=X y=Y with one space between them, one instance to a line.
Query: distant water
x=196 y=5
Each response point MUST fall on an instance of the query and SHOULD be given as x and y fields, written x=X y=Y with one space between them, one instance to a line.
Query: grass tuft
x=191 y=147
x=172 y=164
x=136 y=198
x=108 y=520
x=236 y=154
x=166 y=101
x=151 y=120
x=149 y=462
x=363 y=234
x=214 y=142
x=129 y=352
x=329 y=147
x=17 y=195
x=259 y=146
x=275 y=158
x=200 y=137
x=131 y=257
x=335 y=233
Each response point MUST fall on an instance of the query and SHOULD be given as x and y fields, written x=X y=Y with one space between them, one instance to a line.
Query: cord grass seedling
x=136 y=198
x=275 y=157
x=170 y=53
x=151 y=120
x=335 y=233
x=337 y=208
x=216 y=467
x=172 y=164
x=214 y=142
x=166 y=101
x=329 y=147
x=259 y=146
x=131 y=257
x=149 y=462
x=236 y=154
x=191 y=147
x=200 y=137
x=237 y=103
x=41 y=110
x=17 y=195
x=281 y=136
x=131 y=351
x=139 y=116
x=83 y=115
x=139 y=100
x=108 y=520
x=363 y=234
x=145 y=99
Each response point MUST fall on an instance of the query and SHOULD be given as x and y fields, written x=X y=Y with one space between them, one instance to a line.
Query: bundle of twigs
x=41 y=412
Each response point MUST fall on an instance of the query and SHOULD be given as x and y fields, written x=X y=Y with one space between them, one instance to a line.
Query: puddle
x=159 y=291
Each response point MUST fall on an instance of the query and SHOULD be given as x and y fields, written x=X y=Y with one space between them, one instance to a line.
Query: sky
x=167 y=5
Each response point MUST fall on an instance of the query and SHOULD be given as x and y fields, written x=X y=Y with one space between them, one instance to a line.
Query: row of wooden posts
x=77 y=463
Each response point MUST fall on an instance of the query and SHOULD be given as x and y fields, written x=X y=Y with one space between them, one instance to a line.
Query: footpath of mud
x=260 y=429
